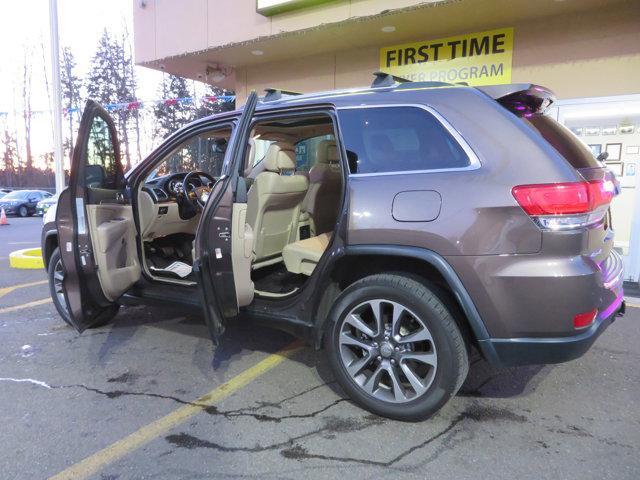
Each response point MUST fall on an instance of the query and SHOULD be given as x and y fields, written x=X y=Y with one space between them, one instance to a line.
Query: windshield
x=17 y=195
x=53 y=198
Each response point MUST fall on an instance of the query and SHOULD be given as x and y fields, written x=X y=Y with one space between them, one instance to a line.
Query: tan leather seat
x=325 y=188
x=303 y=255
x=274 y=200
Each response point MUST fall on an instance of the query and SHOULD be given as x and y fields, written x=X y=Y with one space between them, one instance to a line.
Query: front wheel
x=23 y=211
x=395 y=347
x=56 y=277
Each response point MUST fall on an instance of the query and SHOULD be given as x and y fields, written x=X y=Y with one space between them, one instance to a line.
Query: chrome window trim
x=474 y=161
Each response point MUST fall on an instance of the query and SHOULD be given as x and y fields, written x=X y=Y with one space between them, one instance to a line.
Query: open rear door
x=96 y=232
x=213 y=262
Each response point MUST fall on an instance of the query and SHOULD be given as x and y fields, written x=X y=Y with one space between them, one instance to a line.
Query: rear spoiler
x=522 y=99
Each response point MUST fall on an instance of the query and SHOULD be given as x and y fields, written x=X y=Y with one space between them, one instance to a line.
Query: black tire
x=23 y=211
x=55 y=262
x=448 y=343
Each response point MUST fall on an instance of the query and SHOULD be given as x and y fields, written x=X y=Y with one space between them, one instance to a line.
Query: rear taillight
x=583 y=320
x=563 y=206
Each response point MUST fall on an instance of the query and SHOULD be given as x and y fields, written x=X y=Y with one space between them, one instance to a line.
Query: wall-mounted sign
x=482 y=58
x=273 y=7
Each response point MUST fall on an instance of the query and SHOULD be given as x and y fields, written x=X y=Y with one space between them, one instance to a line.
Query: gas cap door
x=416 y=206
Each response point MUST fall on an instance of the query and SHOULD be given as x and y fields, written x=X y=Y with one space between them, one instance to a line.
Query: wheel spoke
x=414 y=380
x=355 y=321
x=398 y=310
x=372 y=382
x=347 y=339
x=398 y=391
x=376 y=308
x=420 y=336
x=57 y=275
x=355 y=367
x=422 y=357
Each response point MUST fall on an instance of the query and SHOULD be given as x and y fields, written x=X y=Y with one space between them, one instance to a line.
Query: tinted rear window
x=563 y=140
x=398 y=139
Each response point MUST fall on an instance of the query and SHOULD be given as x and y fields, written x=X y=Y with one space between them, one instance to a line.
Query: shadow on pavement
x=485 y=381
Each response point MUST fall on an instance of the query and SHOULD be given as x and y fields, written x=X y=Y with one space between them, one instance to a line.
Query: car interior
x=294 y=180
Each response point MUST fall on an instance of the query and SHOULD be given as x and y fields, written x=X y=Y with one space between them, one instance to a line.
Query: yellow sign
x=482 y=58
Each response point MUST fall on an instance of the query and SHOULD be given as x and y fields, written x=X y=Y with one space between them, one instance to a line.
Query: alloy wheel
x=58 y=277
x=388 y=351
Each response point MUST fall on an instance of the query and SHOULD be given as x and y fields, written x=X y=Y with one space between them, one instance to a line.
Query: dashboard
x=167 y=187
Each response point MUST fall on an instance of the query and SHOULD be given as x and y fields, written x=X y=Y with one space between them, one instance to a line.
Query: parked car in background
x=43 y=205
x=22 y=202
x=4 y=191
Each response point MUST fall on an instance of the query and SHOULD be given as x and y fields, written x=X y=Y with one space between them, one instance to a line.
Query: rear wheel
x=395 y=348
x=56 y=277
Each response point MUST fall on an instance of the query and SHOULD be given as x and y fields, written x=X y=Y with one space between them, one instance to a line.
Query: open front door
x=219 y=275
x=96 y=232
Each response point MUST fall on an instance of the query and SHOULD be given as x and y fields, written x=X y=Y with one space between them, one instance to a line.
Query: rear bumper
x=509 y=352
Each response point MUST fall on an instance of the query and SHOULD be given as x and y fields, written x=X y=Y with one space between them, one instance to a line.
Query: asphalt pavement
x=150 y=397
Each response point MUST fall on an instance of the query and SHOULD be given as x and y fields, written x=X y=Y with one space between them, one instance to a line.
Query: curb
x=28 y=258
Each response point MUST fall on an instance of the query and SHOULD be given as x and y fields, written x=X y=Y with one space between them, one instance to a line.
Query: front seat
x=273 y=204
x=325 y=188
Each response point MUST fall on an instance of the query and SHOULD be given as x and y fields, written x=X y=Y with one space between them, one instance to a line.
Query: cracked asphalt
x=64 y=397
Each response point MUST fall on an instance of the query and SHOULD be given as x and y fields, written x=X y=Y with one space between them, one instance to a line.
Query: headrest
x=327 y=152
x=280 y=156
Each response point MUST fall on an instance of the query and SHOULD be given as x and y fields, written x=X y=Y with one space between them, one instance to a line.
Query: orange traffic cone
x=3 y=218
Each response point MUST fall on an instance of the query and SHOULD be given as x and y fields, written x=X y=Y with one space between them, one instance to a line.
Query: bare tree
x=71 y=85
x=26 y=112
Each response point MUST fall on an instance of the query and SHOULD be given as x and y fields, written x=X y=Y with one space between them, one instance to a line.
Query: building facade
x=586 y=51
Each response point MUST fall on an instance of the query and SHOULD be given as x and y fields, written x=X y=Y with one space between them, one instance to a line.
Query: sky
x=24 y=26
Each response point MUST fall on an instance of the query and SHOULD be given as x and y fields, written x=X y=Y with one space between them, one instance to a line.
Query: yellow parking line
x=25 y=305
x=5 y=290
x=634 y=305
x=137 y=439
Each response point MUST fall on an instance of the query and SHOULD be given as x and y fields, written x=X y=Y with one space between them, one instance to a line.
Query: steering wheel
x=197 y=195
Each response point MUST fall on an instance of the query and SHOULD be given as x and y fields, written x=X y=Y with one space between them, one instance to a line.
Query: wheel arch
x=360 y=261
x=49 y=244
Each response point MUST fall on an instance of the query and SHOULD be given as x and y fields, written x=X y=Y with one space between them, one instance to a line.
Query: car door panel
x=215 y=263
x=113 y=232
x=95 y=225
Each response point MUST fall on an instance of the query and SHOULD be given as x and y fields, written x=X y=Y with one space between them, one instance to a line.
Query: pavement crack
x=251 y=412
x=332 y=424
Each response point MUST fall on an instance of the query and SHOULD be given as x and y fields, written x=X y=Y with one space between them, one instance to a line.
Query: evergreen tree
x=209 y=106
x=9 y=158
x=172 y=114
x=111 y=80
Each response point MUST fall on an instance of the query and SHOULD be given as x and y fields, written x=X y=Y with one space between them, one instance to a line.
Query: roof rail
x=424 y=85
x=386 y=80
x=273 y=94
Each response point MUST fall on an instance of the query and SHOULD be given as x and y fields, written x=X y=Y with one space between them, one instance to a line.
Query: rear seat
x=303 y=256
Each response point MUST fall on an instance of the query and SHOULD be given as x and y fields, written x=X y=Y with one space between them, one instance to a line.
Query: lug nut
x=397 y=349
x=393 y=362
x=379 y=358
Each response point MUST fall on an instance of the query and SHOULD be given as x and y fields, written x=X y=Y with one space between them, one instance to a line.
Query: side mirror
x=602 y=156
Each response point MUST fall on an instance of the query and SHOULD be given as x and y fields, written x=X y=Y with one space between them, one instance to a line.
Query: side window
x=101 y=169
x=306 y=151
x=397 y=139
x=203 y=153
